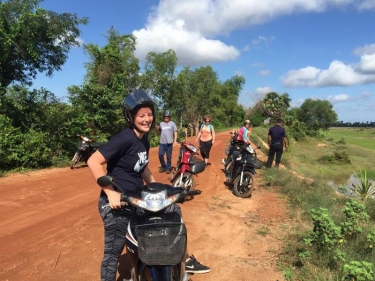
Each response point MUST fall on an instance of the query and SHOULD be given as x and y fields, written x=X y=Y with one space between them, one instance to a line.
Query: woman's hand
x=114 y=198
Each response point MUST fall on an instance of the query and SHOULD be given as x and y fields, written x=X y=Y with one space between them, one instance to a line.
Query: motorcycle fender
x=246 y=168
x=175 y=176
x=250 y=169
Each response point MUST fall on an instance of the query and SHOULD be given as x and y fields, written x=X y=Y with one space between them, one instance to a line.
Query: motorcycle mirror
x=105 y=180
x=183 y=134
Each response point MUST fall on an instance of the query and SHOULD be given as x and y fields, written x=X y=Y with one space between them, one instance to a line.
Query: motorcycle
x=240 y=169
x=188 y=166
x=156 y=240
x=85 y=148
x=235 y=143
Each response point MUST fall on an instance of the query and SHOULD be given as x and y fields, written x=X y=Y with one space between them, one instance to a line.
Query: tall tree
x=34 y=40
x=112 y=73
x=159 y=76
x=229 y=111
x=276 y=105
x=317 y=114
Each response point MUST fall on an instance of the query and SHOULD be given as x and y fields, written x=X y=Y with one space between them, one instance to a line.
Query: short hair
x=279 y=120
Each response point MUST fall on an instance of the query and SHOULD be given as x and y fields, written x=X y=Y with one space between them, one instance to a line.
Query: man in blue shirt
x=276 y=141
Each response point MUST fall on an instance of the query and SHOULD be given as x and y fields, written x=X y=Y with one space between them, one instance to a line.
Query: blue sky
x=319 y=49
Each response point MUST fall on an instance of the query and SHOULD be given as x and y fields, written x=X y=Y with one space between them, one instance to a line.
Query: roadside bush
x=341 y=141
x=337 y=157
x=257 y=119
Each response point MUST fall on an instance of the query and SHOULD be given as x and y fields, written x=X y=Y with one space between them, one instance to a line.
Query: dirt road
x=50 y=228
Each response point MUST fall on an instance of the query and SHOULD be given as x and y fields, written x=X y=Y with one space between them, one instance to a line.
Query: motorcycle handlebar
x=188 y=195
x=193 y=192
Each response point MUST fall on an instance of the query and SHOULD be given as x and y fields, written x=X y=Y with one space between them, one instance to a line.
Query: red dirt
x=50 y=228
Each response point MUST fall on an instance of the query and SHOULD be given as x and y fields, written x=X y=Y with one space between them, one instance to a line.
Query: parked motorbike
x=239 y=168
x=188 y=166
x=85 y=148
x=156 y=240
x=235 y=144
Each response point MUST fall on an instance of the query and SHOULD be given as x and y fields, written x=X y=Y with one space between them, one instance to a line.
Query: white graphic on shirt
x=143 y=161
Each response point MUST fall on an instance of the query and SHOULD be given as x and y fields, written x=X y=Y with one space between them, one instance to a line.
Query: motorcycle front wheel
x=187 y=182
x=174 y=275
x=228 y=169
x=247 y=186
x=75 y=159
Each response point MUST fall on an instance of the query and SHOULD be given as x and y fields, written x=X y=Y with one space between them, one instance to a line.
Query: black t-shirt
x=127 y=157
x=277 y=134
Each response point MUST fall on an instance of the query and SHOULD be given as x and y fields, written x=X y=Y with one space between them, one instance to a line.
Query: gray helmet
x=133 y=102
x=166 y=113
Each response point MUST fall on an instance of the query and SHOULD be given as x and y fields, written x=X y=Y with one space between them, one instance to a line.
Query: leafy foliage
x=34 y=40
x=111 y=74
x=364 y=188
x=317 y=114
x=276 y=105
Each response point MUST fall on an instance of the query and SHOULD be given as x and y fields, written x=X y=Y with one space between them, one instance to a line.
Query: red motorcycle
x=188 y=166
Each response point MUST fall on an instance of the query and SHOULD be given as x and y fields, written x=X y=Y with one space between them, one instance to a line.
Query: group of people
x=206 y=136
x=126 y=157
x=276 y=140
x=168 y=139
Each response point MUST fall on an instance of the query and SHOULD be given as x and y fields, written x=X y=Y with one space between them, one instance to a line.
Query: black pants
x=205 y=148
x=275 y=148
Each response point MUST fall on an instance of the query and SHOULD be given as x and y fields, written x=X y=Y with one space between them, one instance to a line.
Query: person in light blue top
x=244 y=131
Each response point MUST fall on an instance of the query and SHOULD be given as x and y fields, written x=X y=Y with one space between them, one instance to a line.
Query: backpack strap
x=209 y=126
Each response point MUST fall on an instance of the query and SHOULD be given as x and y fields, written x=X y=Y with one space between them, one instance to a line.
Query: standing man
x=168 y=138
x=276 y=141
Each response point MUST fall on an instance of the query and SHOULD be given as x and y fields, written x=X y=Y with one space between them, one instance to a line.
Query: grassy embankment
x=341 y=244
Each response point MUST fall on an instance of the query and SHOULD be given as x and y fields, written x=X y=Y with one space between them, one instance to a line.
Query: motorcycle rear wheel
x=247 y=186
x=75 y=159
x=187 y=182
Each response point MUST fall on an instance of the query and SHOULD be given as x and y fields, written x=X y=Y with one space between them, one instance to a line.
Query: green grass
x=331 y=159
x=308 y=157
x=362 y=137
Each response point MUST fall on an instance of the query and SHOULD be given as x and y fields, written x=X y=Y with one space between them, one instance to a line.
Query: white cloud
x=191 y=47
x=337 y=74
x=189 y=27
x=366 y=64
x=338 y=98
x=256 y=64
x=366 y=95
x=365 y=50
x=265 y=72
x=262 y=91
x=367 y=5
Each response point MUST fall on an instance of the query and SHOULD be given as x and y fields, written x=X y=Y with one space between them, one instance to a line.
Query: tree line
x=38 y=128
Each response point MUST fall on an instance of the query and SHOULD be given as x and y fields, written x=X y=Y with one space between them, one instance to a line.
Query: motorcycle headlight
x=250 y=149
x=154 y=202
